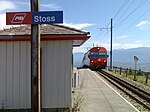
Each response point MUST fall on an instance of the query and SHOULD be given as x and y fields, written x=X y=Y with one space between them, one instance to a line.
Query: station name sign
x=45 y=17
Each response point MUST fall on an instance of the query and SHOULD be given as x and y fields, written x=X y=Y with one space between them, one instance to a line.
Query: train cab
x=96 y=58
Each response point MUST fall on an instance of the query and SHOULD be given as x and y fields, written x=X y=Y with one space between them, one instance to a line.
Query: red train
x=95 y=58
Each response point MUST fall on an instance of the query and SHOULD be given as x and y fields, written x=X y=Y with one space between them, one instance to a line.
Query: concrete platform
x=98 y=96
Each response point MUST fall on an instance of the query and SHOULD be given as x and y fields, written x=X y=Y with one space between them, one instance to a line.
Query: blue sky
x=131 y=24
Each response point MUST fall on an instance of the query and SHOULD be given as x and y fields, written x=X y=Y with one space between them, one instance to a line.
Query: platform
x=97 y=96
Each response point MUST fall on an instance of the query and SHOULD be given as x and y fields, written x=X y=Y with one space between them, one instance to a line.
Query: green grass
x=142 y=79
x=139 y=78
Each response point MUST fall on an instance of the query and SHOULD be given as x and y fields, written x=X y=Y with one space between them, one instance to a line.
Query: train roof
x=98 y=49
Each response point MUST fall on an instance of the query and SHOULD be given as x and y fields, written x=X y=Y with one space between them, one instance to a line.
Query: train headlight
x=99 y=59
x=104 y=60
x=92 y=61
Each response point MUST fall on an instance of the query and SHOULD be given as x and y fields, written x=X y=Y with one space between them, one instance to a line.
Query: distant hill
x=124 y=58
x=77 y=59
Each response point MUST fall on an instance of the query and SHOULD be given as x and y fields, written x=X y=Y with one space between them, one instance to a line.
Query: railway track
x=133 y=91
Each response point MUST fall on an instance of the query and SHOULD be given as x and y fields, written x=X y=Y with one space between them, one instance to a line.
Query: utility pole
x=35 y=62
x=111 y=32
x=111 y=29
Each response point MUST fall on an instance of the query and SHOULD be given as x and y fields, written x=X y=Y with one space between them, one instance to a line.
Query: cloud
x=126 y=46
x=42 y=6
x=78 y=26
x=2 y=20
x=122 y=37
x=142 y=23
x=6 y=5
x=50 y=6
x=139 y=41
x=22 y=3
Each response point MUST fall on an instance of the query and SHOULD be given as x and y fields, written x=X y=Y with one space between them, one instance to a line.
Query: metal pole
x=135 y=71
x=35 y=62
x=111 y=44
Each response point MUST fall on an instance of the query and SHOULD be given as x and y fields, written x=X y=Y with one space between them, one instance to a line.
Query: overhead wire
x=141 y=3
x=125 y=11
x=99 y=32
x=107 y=26
x=103 y=37
x=134 y=22
x=104 y=34
x=121 y=8
x=118 y=12
x=125 y=18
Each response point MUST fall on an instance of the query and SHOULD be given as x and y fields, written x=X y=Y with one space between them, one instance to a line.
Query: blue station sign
x=47 y=17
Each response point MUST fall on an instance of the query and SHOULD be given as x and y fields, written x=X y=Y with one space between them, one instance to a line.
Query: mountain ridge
x=123 y=58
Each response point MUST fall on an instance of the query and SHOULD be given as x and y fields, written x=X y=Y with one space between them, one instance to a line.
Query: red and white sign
x=16 y=18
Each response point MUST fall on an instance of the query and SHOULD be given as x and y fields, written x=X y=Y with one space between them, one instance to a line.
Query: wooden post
x=115 y=69
x=135 y=75
x=127 y=72
x=130 y=72
x=146 y=74
x=135 y=59
x=120 y=70
x=35 y=62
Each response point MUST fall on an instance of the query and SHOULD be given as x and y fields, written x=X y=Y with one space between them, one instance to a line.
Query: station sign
x=45 y=17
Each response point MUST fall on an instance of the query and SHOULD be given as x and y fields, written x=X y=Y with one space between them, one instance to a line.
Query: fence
x=136 y=75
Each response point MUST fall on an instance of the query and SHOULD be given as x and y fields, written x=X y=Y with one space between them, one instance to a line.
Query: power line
x=105 y=27
x=121 y=8
x=131 y=13
x=103 y=39
x=135 y=21
x=125 y=11
x=100 y=28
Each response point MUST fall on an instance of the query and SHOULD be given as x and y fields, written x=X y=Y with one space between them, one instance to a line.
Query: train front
x=98 y=59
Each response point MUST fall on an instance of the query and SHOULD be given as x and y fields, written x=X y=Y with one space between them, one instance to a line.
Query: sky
x=131 y=19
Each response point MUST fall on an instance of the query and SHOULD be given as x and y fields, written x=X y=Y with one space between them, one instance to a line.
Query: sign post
x=35 y=18
x=135 y=59
x=35 y=62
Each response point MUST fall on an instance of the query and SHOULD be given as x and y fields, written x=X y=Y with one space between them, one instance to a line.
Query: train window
x=103 y=55
x=94 y=55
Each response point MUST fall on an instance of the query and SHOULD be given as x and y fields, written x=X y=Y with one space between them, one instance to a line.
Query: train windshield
x=103 y=55
x=94 y=55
